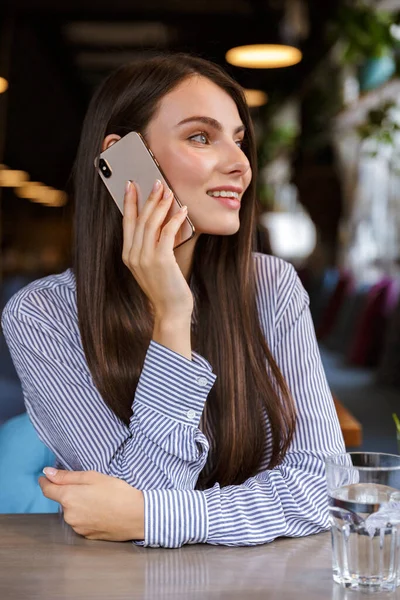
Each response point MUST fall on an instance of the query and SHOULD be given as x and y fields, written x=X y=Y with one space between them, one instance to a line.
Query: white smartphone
x=131 y=159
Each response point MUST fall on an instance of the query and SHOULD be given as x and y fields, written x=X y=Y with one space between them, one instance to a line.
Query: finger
x=152 y=201
x=170 y=230
x=50 y=490
x=152 y=228
x=129 y=218
x=145 y=213
x=61 y=477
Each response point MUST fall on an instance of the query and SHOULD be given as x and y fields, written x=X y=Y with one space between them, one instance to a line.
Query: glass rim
x=332 y=457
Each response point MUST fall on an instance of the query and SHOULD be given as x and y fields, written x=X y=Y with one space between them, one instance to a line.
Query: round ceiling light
x=255 y=97
x=52 y=197
x=35 y=191
x=3 y=85
x=12 y=178
x=263 y=56
x=29 y=190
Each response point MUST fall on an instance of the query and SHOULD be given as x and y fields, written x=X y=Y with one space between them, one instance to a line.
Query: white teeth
x=224 y=194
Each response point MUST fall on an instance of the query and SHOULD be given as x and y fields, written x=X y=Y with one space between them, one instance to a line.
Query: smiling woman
x=192 y=375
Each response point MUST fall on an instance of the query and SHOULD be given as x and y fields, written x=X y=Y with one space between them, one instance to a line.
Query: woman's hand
x=97 y=506
x=148 y=252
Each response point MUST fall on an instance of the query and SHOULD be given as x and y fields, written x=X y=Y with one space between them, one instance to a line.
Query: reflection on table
x=42 y=558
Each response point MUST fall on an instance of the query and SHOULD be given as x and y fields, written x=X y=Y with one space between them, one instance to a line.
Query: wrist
x=175 y=335
x=173 y=319
x=168 y=325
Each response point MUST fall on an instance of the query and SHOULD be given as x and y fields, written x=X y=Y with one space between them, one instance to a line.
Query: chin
x=219 y=229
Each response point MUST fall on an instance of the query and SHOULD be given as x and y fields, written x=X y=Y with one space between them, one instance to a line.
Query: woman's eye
x=203 y=136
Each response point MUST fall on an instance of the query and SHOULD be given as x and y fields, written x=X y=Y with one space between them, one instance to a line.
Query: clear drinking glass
x=364 y=504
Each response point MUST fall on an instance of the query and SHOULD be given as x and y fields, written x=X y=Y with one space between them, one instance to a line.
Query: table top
x=41 y=558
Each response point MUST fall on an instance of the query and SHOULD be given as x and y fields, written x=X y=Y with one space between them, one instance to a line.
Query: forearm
x=174 y=334
x=284 y=501
x=166 y=447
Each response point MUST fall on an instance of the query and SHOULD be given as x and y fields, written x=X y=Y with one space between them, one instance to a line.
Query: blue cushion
x=22 y=459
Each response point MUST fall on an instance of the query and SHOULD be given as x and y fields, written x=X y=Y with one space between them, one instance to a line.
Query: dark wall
x=42 y=127
x=44 y=113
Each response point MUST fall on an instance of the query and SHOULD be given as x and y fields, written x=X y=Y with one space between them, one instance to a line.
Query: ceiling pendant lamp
x=280 y=50
x=255 y=97
x=3 y=84
x=263 y=56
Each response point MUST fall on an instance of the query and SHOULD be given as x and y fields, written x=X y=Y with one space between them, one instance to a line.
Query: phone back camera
x=104 y=168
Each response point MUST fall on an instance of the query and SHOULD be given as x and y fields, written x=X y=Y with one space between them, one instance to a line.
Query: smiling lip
x=227 y=188
x=233 y=203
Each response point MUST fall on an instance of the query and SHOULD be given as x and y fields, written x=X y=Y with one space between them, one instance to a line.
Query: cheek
x=248 y=178
x=185 y=168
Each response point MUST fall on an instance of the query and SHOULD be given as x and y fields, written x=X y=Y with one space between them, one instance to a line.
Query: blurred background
x=323 y=85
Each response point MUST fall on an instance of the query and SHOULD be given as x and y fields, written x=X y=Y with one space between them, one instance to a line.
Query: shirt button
x=202 y=381
x=191 y=414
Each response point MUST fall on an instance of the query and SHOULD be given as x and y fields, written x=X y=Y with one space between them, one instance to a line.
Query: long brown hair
x=115 y=316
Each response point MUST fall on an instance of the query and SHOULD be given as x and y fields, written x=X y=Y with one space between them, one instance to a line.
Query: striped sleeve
x=163 y=445
x=289 y=500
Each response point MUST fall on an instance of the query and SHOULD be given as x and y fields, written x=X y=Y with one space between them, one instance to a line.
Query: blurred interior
x=329 y=158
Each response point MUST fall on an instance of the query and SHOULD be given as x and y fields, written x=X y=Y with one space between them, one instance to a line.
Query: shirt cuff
x=173 y=385
x=216 y=524
x=174 y=518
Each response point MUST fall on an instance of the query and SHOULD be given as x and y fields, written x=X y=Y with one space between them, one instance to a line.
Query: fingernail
x=50 y=471
x=184 y=208
x=167 y=193
x=157 y=185
x=127 y=187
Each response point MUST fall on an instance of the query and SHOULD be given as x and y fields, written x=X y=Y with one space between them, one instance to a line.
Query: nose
x=234 y=159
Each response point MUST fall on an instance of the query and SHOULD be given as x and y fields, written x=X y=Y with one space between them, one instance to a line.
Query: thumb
x=61 y=477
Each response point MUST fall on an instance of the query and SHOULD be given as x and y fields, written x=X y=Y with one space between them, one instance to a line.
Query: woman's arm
x=162 y=447
x=289 y=500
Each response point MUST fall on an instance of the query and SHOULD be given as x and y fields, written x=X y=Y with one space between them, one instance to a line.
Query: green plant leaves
x=380 y=124
x=366 y=33
x=397 y=422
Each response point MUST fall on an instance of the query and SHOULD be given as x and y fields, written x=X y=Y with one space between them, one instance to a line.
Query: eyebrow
x=209 y=121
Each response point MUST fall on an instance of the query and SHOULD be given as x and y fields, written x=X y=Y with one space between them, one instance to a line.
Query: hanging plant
x=380 y=124
x=366 y=35
x=365 y=32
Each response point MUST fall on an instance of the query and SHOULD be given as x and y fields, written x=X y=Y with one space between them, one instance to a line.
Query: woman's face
x=196 y=137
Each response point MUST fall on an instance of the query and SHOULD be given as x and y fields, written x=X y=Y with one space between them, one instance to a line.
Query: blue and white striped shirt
x=163 y=450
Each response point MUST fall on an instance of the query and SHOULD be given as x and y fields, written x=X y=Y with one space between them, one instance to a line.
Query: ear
x=109 y=140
